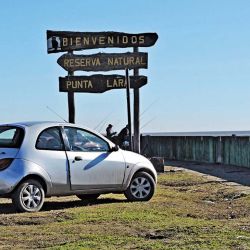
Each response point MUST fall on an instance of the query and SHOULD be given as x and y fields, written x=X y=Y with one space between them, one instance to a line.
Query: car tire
x=88 y=197
x=29 y=196
x=141 y=187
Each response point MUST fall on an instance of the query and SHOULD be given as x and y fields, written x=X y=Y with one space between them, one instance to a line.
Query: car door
x=92 y=166
x=50 y=154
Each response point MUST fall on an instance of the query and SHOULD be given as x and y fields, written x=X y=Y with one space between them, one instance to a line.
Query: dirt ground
x=239 y=177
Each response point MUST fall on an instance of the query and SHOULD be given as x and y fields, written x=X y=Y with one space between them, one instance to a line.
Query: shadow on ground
x=8 y=208
x=240 y=175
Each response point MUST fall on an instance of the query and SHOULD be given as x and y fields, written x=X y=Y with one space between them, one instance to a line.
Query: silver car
x=44 y=159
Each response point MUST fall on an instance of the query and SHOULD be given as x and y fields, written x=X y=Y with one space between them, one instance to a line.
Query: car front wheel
x=29 y=196
x=141 y=187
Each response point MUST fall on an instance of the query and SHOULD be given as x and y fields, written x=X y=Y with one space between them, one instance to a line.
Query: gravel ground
x=239 y=177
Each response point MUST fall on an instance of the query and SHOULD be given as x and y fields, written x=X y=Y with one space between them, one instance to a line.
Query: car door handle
x=78 y=158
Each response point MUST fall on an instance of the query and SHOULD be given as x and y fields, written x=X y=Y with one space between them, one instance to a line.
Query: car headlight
x=4 y=163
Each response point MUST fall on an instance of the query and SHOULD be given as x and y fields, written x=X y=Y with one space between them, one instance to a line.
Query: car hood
x=134 y=158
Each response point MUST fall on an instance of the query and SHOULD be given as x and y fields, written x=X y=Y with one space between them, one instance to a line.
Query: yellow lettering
x=124 y=39
x=90 y=85
x=78 y=41
x=116 y=62
x=120 y=82
x=86 y=40
x=141 y=39
x=134 y=39
x=101 y=40
x=88 y=62
x=109 y=85
x=110 y=61
x=110 y=40
x=98 y=63
x=83 y=84
x=68 y=83
x=77 y=62
x=126 y=61
x=137 y=60
x=142 y=62
x=132 y=60
x=66 y=62
x=94 y=39
x=82 y=62
x=71 y=62
x=65 y=41
x=115 y=83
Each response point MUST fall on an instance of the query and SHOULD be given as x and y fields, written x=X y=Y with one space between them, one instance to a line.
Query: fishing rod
x=55 y=113
x=103 y=120
x=148 y=107
x=148 y=122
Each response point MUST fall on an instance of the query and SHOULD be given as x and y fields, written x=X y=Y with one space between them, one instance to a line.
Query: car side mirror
x=114 y=148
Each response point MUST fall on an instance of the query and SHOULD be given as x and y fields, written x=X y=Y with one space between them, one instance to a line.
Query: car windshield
x=11 y=137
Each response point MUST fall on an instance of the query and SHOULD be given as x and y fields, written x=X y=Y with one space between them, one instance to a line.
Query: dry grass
x=187 y=212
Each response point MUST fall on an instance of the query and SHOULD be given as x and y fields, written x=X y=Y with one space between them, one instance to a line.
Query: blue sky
x=198 y=73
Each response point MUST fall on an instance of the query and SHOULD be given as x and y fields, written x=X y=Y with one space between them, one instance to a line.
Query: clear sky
x=198 y=73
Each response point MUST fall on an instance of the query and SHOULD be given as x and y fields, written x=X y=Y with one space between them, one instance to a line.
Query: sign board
x=103 y=61
x=98 y=83
x=59 y=41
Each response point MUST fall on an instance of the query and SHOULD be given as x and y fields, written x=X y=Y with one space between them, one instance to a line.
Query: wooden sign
x=98 y=83
x=103 y=61
x=59 y=41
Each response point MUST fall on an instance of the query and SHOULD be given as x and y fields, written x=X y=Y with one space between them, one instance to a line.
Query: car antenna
x=55 y=113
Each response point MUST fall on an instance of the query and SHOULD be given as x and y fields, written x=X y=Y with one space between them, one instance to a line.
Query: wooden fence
x=232 y=150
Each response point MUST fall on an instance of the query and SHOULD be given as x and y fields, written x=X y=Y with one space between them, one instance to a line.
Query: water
x=205 y=133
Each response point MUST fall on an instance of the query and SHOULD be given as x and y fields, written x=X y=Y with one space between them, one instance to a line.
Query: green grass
x=187 y=212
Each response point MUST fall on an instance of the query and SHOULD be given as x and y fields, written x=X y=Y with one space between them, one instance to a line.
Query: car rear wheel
x=88 y=197
x=141 y=187
x=29 y=196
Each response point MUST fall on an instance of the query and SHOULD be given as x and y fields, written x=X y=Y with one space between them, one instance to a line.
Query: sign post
x=136 y=112
x=129 y=110
x=71 y=101
x=60 y=41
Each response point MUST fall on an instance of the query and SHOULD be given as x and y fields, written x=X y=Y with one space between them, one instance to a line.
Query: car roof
x=43 y=124
x=33 y=123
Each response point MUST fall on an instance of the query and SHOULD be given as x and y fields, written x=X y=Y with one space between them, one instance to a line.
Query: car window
x=82 y=140
x=50 y=139
x=11 y=137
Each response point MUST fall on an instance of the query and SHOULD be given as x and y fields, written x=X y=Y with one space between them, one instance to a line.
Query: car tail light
x=4 y=163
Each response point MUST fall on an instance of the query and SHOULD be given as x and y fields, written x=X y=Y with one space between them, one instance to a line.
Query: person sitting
x=109 y=132
x=123 y=138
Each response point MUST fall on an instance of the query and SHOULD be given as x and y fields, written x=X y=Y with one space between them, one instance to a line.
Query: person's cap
x=110 y=125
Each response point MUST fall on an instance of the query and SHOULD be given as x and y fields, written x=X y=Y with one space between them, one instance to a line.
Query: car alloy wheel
x=29 y=196
x=141 y=187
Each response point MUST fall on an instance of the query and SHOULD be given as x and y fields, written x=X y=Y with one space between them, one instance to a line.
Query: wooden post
x=128 y=108
x=136 y=112
x=71 y=101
